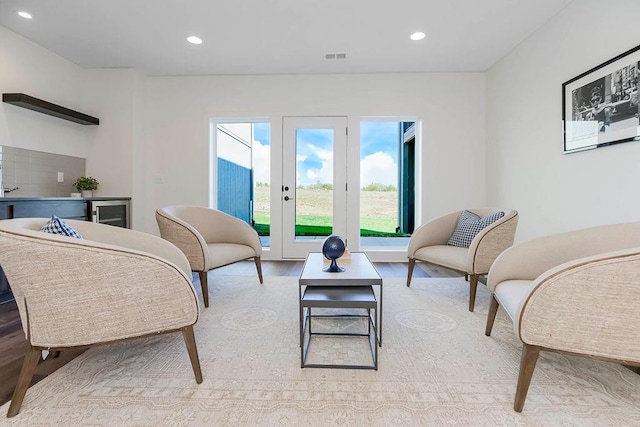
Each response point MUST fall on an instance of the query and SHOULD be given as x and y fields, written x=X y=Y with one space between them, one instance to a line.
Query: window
x=243 y=173
x=387 y=173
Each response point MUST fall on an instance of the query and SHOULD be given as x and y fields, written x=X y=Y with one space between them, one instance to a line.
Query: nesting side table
x=352 y=288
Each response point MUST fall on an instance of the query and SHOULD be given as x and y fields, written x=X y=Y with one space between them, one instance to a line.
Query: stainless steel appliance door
x=111 y=212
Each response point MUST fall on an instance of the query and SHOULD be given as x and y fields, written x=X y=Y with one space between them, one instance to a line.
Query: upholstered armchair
x=429 y=243
x=113 y=284
x=576 y=293
x=209 y=238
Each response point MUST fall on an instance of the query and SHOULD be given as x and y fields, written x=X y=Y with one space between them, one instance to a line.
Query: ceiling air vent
x=335 y=56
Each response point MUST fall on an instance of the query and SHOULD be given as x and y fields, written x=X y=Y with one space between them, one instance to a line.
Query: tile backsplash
x=35 y=173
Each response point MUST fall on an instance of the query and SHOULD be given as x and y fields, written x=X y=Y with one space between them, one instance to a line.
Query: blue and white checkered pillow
x=57 y=226
x=468 y=226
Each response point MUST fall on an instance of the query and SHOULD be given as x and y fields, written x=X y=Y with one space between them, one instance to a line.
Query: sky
x=378 y=154
x=261 y=152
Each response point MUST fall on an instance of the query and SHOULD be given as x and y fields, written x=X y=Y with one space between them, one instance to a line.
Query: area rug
x=436 y=367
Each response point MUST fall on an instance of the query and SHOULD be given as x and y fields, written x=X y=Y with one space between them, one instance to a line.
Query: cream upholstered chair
x=209 y=238
x=429 y=243
x=113 y=284
x=576 y=293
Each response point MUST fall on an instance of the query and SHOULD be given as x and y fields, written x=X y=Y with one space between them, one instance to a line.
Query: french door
x=314 y=190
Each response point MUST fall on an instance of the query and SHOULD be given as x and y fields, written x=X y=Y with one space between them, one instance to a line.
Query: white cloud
x=378 y=167
x=261 y=162
x=324 y=174
x=321 y=153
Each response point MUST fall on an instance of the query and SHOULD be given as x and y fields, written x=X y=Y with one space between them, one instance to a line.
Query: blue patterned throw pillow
x=57 y=226
x=468 y=226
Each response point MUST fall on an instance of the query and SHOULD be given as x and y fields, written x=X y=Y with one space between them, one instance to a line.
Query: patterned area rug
x=436 y=367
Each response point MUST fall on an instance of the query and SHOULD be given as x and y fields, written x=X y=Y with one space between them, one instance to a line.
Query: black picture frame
x=601 y=107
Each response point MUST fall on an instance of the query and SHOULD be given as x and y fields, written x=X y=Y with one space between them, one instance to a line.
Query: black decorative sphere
x=333 y=248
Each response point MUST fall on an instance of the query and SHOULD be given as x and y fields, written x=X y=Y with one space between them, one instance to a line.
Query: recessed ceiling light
x=418 y=35
x=194 y=40
x=25 y=15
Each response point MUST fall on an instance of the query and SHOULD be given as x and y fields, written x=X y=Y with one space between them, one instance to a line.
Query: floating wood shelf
x=35 y=104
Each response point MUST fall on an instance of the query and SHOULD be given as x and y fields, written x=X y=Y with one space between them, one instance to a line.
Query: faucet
x=2 y=189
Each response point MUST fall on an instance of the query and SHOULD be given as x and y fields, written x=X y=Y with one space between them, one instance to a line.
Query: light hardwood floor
x=12 y=341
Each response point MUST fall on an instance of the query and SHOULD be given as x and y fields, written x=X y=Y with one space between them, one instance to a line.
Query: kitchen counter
x=80 y=208
x=26 y=199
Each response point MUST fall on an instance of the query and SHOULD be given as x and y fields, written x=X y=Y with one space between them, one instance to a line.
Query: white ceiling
x=280 y=36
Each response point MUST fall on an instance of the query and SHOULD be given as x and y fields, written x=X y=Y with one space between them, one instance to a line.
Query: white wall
x=526 y=169
x=153 y=139
x=110 y=156
x=157 y=129
x=451 y=107
x=28 y=68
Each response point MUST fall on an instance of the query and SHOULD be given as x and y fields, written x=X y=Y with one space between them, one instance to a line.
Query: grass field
x=378 y=212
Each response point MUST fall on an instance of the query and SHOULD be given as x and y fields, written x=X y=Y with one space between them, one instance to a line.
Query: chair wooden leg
x=491 y=316
x=473 y=287
x=412 y=263
x=31 y=359
x=204 y=282
x=258 y=267
x=527 y=365
x=190 y=342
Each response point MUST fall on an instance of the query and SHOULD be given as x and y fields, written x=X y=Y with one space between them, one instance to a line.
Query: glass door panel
x=314 y=182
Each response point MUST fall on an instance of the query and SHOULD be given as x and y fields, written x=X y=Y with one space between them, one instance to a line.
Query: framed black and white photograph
x=601 y=107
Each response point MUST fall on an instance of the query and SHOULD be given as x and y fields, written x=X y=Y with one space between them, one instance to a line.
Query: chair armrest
x=490 y=242
x=186 y=237
x=79 y=292
x=433 y=233
x=587 y=306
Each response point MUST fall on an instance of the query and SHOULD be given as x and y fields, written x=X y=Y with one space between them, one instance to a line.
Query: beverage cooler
x=111 y=212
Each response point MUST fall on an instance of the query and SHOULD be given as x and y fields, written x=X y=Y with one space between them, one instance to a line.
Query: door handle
x=287 y=198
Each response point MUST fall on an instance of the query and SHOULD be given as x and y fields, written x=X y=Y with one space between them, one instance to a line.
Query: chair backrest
x=196 y=216
x=209 y=225
x=546 y=252
x=492 y=240
x=103 y=234
x=585 y=300
x=176 y=226
x=73 y=291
